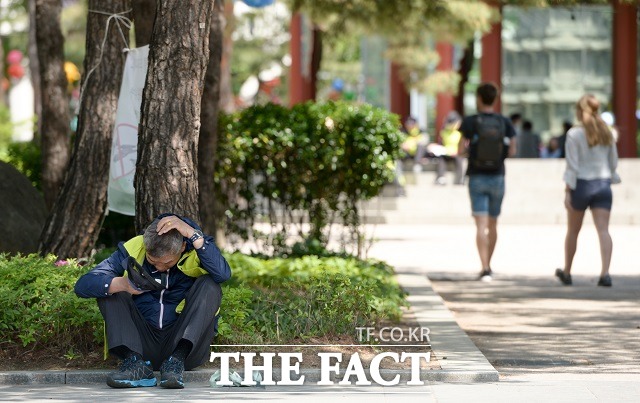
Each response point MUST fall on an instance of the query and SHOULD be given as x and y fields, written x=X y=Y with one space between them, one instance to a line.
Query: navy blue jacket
x=158 y=307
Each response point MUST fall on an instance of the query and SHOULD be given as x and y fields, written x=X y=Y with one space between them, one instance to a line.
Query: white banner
x=124 y=149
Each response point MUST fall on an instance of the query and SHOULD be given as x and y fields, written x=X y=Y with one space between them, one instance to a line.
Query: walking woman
x=591 y=159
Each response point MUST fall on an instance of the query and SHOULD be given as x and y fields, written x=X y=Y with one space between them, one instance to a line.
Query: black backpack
x=490 y=147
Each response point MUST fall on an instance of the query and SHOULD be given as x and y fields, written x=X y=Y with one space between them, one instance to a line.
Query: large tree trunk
x=55 y=101
x=74 y=223
x=227 y=102
x=166 y=177
x=144 y=13
x=209 y=116
x=34 y=69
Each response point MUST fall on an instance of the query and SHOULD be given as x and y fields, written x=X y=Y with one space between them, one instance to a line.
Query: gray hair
x=156 y=245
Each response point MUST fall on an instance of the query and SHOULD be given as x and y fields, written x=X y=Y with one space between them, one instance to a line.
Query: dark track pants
x=127 y=327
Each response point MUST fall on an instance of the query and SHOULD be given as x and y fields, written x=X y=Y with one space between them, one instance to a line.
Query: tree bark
x=55 y=101
x=34 y=69
x=208 y=141
x=144 y=13
x=227 y=102
x=74 y=224
x=166 y=177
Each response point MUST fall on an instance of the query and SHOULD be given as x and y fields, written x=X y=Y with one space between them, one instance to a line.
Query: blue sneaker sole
x=132 y=384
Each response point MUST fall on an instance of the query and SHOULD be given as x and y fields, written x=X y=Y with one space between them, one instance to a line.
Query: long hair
x=597 y=131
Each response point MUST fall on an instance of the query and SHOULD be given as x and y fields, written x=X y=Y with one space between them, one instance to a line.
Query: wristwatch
x=197 y=234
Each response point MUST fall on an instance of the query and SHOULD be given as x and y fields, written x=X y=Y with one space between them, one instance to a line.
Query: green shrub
x=311 y=163
x=6 y=129
x=282 y=300
x=313 y=296
x=39 y=307
x=26 y=158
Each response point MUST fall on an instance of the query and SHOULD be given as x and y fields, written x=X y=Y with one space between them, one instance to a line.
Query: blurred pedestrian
x=591 y=163
x=449 y=138
x=528 y=142
x=491 y=139
x=552 y=149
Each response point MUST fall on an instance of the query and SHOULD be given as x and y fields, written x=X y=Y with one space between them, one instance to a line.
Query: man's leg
x=127 y=335
x=492 y=236
x=190 y=337
x=478 y=193
x=441 y=171
x=483 y=241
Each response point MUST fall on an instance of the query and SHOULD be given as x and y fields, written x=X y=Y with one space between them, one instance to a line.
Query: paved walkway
x=549 y=343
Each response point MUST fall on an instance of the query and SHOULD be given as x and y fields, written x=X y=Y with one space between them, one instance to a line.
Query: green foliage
x=265 y=302
x=283 y=300
x=311 y=163
x=6 y=129
x=26 y=157
x=39 y=307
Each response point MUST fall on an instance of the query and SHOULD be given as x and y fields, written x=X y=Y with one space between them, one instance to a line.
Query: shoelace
x=173 y=365
x=128 y=363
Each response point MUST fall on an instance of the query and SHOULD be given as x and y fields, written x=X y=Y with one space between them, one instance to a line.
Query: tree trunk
x=209 y=116
x=166 y=177
x=34 y=70
x=466 y=64
x=74 y=223
x=227 y=102
x=144 y=13
x=55 y=101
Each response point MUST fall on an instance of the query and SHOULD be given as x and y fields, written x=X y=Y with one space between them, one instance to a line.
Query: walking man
x=489 y=138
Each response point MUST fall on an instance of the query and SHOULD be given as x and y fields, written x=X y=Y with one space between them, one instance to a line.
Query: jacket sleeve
x=213 y=262
x=95 y=283
x=210 y=257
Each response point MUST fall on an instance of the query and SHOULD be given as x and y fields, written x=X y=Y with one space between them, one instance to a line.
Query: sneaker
x=133 y=373
x=171 y=373
x=605 y=281
x=441 y=181
x=564 y=278
x=485 y=275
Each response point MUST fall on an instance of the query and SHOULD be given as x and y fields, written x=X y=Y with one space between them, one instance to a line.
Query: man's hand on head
x=169 y=223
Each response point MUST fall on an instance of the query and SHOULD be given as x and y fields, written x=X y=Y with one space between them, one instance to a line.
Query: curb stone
x=459 y=358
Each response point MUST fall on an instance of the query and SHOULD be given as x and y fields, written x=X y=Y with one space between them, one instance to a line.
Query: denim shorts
x=486 y=192
x=593 y=193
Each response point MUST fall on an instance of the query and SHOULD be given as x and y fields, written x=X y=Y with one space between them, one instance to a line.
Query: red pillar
x=491 y=62
x=400 y=98
x=625 y=67
x=445 y=102
x=302 y=82
x=296 y=81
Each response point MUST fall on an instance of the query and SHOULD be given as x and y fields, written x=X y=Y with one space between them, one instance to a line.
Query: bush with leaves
x=26 y=158
x=310 y=296
x=40 y=309
x=267 y=301
x=311 y=163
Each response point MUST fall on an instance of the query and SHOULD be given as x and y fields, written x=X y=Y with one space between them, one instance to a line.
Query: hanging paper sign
x=124 y=149
x=258 y=3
